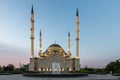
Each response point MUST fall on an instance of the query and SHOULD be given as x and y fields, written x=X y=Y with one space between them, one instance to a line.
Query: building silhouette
x=54 y=58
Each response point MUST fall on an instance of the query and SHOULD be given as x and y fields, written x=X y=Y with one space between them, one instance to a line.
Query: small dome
x=55 y=45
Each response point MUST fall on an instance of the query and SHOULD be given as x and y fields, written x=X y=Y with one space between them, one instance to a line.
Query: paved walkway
x=89 y=77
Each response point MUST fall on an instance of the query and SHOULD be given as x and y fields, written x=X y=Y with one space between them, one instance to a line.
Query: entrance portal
x=56 y=68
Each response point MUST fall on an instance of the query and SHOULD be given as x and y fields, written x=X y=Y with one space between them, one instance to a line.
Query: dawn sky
x=99 y=29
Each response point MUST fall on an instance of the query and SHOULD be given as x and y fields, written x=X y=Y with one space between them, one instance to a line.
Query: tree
x=0 y=68
x=90 y=70
x=9 y=68
x=113 y=66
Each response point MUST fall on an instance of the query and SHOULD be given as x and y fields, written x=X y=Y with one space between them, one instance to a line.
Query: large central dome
x=53 y=48
x=55 y=45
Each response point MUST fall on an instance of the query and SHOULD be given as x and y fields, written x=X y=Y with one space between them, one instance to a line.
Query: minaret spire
x=69 y=43
x=77 y=34
x=68 y=34
x=77 y=12
x=32 y=11
x=32 y=33
x=40 y=50
x=40 y=33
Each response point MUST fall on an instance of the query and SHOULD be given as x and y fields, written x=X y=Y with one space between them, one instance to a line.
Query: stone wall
x=45 y=64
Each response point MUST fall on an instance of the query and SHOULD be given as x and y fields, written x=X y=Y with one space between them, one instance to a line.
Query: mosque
x=54 y=58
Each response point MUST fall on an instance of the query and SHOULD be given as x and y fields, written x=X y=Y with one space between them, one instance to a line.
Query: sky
x=99 y=29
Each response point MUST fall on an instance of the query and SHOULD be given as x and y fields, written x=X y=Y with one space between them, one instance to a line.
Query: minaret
x=32 y=33
x=40 y=50
x=69 y=43
x=77 y=35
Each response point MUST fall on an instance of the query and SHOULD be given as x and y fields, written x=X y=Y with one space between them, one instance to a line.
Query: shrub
x=17 y=71
x=81 y=71
x=116 y=74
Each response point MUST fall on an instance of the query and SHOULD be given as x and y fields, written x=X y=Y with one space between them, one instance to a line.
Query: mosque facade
x=54 y=58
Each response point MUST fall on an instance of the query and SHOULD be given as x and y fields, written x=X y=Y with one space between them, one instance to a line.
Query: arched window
x=35 y=68
x=67 y=69
x=41 y=68
x=70 y=69
x=61 y=69
x=48 y=69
